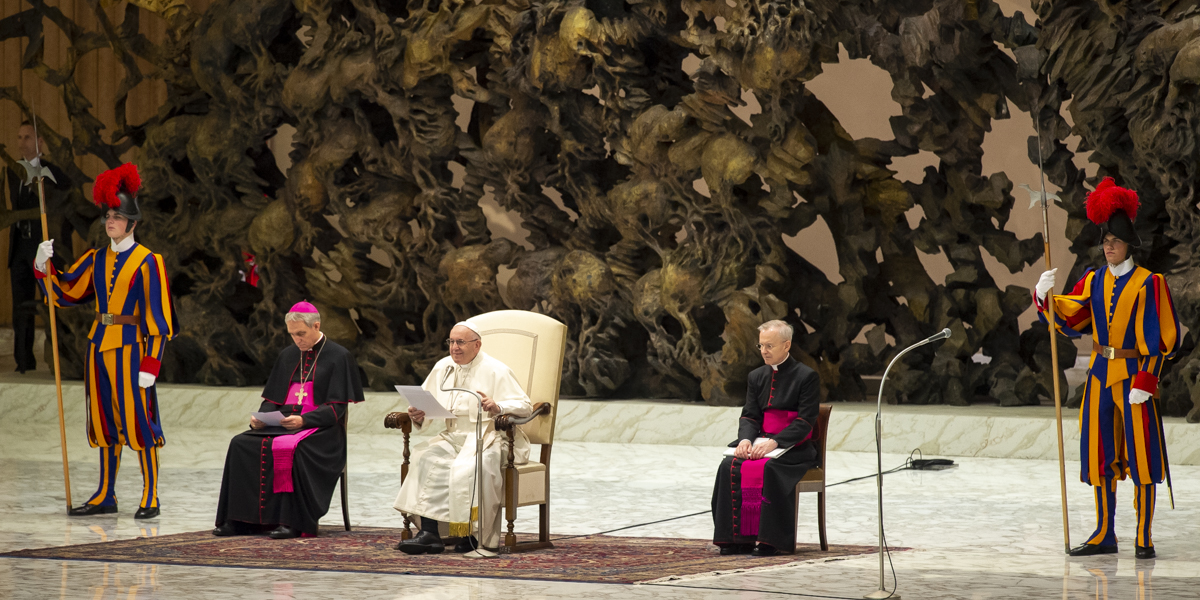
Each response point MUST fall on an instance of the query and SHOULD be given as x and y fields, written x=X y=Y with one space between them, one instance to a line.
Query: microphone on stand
x=479 y=552
x=941 y=335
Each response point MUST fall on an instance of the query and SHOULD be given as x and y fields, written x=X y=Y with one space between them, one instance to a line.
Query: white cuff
x=1137 y=396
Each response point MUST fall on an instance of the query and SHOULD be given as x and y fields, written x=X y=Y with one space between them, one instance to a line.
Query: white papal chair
x=533 y=346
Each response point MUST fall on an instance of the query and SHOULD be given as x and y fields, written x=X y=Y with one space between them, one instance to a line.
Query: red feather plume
x=108 y=183
x=1107 y=199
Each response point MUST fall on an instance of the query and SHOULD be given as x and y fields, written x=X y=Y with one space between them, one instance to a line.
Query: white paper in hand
x=423 y=401
x=273 y=418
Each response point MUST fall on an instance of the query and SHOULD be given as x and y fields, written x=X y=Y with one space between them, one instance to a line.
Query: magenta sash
x=283 y=447
x=751 y=480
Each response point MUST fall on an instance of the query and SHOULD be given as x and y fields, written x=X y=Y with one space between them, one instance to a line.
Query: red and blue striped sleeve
x=159 y=322
x=73 y=287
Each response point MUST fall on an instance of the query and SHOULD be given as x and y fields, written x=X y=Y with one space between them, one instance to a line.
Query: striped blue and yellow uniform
x=120 y=412
x=1119 y=439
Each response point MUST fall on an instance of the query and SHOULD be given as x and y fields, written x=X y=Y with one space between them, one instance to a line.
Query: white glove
x=1045 y=283
x=145 y=379
x=1137 y=396
x=44 y=252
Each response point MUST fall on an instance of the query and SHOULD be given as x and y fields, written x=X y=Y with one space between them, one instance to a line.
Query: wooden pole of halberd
x=1062 y=465
x=62 y=425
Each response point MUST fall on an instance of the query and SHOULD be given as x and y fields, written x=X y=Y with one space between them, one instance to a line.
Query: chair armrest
x=398 y=420
x=507 y=422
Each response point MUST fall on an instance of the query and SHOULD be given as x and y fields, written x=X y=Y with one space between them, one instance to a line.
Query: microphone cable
x=907 y=466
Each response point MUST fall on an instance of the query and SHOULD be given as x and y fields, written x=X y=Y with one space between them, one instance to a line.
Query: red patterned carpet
x=592 y=559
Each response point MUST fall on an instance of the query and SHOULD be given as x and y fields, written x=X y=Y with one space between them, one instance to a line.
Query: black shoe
x=146 y=512
x=1144 y=552
x=283 y=532
x=732 y=549
x=1092 y=550
x=466 y=544
x=424 y=543
x=764 y=550
x=226 y=528
x=88 y=510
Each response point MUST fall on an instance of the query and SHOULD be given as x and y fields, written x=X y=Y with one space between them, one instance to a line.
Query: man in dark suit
x=24 y=237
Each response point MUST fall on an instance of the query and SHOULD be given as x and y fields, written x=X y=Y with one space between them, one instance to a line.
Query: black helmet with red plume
x=117 y=189
x=1114 y=209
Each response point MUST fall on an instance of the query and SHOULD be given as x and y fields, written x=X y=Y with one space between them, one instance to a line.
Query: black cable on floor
x=906 y=466
x=701 y=587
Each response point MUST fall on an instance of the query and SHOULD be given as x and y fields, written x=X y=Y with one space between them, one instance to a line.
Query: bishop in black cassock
x=754 y=499
x=284 y=476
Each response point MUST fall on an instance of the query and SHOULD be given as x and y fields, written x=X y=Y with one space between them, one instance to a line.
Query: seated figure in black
x=283 y=476
x=754 y=500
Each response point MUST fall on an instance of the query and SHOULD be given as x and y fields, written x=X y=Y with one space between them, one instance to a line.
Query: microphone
x=941 y=335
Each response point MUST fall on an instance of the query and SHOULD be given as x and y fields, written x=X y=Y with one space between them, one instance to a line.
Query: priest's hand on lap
x=256 y=424
x=418 y=416
x=742 y=450
x=490 y=405
x=292 y=422
x=762 y=448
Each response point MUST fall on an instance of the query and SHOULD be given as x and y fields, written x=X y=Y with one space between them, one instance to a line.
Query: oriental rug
x=590 y=559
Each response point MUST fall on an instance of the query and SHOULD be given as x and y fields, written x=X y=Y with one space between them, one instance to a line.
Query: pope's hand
x=762 y=448
x=292 y=422
x=1137 y=396
x=1045 y=283
x=45 y=252
x=418 y=416
x=742 y=450
x=145 y=379
x=489 y=404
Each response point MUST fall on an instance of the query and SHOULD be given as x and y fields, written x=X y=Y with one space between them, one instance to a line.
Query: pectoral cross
x=301 y=395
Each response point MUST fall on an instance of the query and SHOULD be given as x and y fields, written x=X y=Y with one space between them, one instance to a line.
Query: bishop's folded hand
x=762 y=448
x=742 y=450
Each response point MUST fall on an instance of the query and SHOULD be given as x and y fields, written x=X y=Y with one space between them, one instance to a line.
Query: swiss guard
x=1129 y=313
x=134 y=319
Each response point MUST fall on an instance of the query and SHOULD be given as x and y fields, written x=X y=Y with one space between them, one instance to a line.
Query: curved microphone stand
x=941 y=335
x=479 y=552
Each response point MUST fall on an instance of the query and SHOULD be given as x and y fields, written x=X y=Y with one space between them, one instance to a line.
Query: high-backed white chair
x=533 y=346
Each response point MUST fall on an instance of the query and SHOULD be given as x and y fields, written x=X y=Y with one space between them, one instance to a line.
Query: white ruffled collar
x=1122 y=269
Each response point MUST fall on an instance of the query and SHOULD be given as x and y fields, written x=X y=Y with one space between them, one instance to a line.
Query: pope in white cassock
x=439 y=487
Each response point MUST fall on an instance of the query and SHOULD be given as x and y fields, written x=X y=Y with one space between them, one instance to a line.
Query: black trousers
x=24 y=302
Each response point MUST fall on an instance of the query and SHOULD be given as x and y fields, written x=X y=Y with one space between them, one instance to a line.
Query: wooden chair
x=533 y=346
x=814 y=479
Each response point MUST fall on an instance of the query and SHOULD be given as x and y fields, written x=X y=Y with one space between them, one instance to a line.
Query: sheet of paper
x=272 y=418
x=776 y=453
x=422 y=400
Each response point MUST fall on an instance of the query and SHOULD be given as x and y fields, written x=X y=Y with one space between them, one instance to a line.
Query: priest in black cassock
x=755 y=496
x=283 y=476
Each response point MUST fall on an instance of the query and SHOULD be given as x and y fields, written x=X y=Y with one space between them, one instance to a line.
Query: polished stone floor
x=990 y=528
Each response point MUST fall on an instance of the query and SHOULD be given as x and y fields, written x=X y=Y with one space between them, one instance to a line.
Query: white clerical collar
x=1121 y=269
x=775 y=367
x=124 y=245
x=470 y=365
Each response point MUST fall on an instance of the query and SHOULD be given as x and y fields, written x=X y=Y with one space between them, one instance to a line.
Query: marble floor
x=990 y=528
